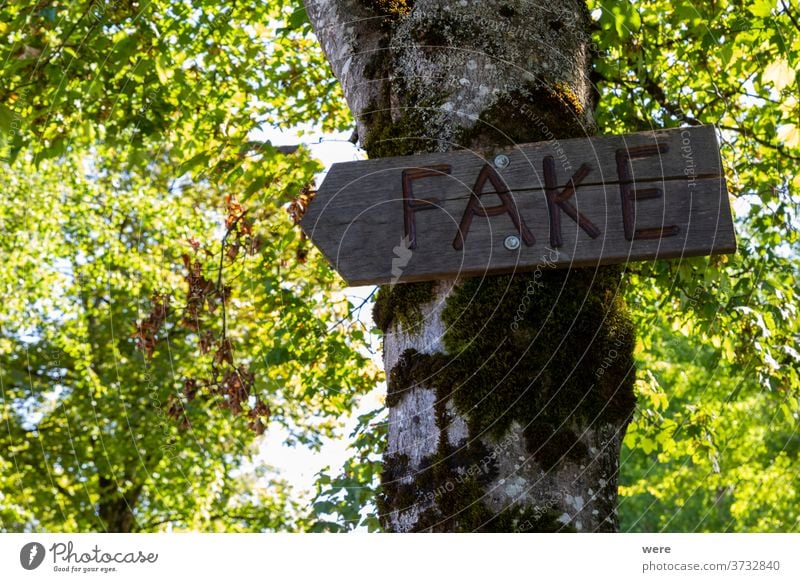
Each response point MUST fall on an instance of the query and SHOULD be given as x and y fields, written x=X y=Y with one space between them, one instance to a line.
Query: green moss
x=554 y=354
x=394 y=493
x=390 y=8
x=398 y=137
x=411 y=370
x=454 y=477
x=456 y=480
x=567 y=95
x=534 y=114
x=401 y=303
x=549 y=444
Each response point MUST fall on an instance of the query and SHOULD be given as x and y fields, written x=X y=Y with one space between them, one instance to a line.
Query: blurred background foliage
x=161 y=311
x=714 y=446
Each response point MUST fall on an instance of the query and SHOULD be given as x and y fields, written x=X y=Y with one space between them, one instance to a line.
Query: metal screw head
x=511 y=242
x=501 y=161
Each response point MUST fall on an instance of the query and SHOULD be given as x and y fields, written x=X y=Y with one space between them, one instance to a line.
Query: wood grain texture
x=637 y=197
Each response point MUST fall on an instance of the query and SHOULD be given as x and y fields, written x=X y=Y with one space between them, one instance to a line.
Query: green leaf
x=6 y=118
x=761 y=8
x=163 y=70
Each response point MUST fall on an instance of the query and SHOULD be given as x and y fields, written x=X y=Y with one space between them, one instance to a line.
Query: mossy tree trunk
x=509 y=396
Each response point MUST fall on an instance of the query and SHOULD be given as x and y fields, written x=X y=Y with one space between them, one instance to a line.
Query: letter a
x=475 y=208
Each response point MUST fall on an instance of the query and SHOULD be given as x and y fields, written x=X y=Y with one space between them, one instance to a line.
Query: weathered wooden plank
x=574 y=203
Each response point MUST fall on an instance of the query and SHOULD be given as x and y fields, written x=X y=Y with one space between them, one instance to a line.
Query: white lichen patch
x=457 y=430
x=576 y=502
x=412 y=426
x=515 y=487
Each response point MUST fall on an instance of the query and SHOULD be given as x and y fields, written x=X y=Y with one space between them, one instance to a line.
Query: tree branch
x=766 y=143
x=788 y=12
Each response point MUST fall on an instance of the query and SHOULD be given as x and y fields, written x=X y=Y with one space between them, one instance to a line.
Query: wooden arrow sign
x=580 y=202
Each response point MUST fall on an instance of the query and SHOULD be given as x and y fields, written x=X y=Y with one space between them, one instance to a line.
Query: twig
x=775 y=146
x=352 y=311
x=790 y=15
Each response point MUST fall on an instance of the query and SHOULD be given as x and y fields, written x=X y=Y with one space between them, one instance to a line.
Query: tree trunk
x=508 y=396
